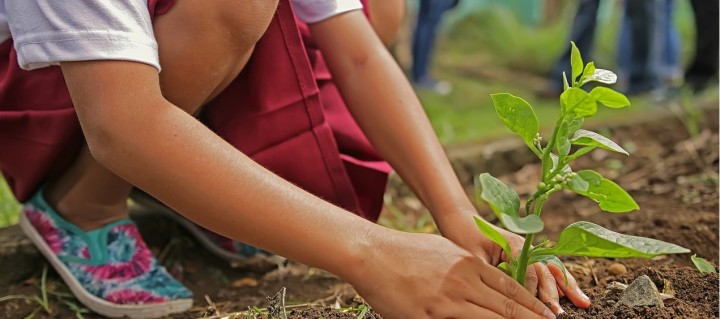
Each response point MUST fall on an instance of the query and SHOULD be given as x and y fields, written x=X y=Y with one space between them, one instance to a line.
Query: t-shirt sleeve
x=311 y=11
x=47 y=32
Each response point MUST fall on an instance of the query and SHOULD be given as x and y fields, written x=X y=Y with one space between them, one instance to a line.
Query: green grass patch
x=9 y=207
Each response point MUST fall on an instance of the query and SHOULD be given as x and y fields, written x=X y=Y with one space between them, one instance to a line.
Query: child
x=273 y=103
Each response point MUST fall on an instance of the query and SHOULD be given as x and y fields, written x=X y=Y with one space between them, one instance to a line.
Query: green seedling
x=703 y=265
x=567 y=143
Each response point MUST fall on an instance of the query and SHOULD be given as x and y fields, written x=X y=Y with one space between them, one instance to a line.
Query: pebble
x=617 y=269
x=617 y=286
x=641 y=292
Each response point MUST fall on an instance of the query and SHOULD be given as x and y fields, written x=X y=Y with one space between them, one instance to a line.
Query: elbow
x=102 y=139
x=112 y=132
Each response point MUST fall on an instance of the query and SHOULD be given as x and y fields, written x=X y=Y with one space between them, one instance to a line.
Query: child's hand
x=545 y=281
x=427 y=276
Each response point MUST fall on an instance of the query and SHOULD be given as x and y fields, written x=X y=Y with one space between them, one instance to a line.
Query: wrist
x=365 y=247
x=454 y=216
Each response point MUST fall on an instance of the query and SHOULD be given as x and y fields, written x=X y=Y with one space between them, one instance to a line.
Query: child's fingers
x=510 y=298
x=572 y=290
x=547 y=287
x=531 y=280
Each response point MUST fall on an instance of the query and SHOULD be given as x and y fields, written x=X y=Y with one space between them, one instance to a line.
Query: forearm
x=168 y=153
x=387 y=109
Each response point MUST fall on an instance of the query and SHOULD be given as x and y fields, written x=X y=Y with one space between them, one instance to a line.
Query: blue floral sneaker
x=110 y=270
x=237 y=253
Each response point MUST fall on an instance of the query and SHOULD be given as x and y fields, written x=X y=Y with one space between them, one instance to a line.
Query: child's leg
x=203 y=46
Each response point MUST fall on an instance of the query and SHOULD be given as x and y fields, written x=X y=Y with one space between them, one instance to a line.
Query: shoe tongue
x=98 y=242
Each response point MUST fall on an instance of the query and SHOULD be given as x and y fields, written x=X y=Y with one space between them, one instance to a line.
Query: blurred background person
x=648 y=52
x=582 y=32
x=430 y=14
x=649 y=48
x=704 y=66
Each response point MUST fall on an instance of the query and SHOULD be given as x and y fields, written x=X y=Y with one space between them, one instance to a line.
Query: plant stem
x=523 y=261
x=549 y=147
x=525 y=253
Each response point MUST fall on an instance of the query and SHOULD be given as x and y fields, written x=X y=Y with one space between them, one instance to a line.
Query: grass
x=48 y=294
x=9 y=207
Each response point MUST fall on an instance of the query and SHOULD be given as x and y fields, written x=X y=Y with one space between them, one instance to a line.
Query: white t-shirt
x=46 y=32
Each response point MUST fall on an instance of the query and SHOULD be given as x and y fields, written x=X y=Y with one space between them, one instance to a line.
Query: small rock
x=617 y=269
x=641 y=292
x=245 y=282
x=617 y=286
x=668 y=288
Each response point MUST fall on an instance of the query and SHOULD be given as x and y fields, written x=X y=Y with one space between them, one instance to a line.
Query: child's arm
x=386 y=107
x=133 y=131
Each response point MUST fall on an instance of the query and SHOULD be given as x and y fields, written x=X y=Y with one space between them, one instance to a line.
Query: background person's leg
x=704 y=65
x=429 y=19
x=421 y=41
x=643 y=71
x=582 y=33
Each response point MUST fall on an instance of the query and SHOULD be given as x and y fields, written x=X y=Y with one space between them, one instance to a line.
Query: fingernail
x=582 y=294
x=549 y=314
x=557 y=309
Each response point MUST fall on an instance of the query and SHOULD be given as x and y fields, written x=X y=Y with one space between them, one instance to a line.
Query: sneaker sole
x=94 y=303
x=236 y=260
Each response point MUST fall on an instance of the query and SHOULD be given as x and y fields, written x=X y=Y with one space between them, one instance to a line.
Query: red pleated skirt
x=283 y=110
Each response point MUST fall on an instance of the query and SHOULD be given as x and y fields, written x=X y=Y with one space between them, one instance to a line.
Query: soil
x=672 y=176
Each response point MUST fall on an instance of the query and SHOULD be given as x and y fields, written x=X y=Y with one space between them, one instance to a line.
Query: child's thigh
x=204 y=45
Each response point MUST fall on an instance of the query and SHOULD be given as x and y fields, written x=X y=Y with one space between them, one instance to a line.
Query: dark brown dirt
x=674 y=179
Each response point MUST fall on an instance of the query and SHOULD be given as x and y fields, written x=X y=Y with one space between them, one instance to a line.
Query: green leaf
x=505 y=202
x=611 y=197
x=554 y=161
x=544 y=243
x=550 y=259
x=562 y=142
x=602 y=76
x=517 y=115
x=493 y=234
x=577 y=101
x=505 y=267
x=703 y=265
x=565 y=82
x=574 y=123
x=568 y=125
x=576 y=62
x=588 y=72
x=610 y=97
x=587 y=239
x=589 y=138
x=577 y=184
x=582 y=151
